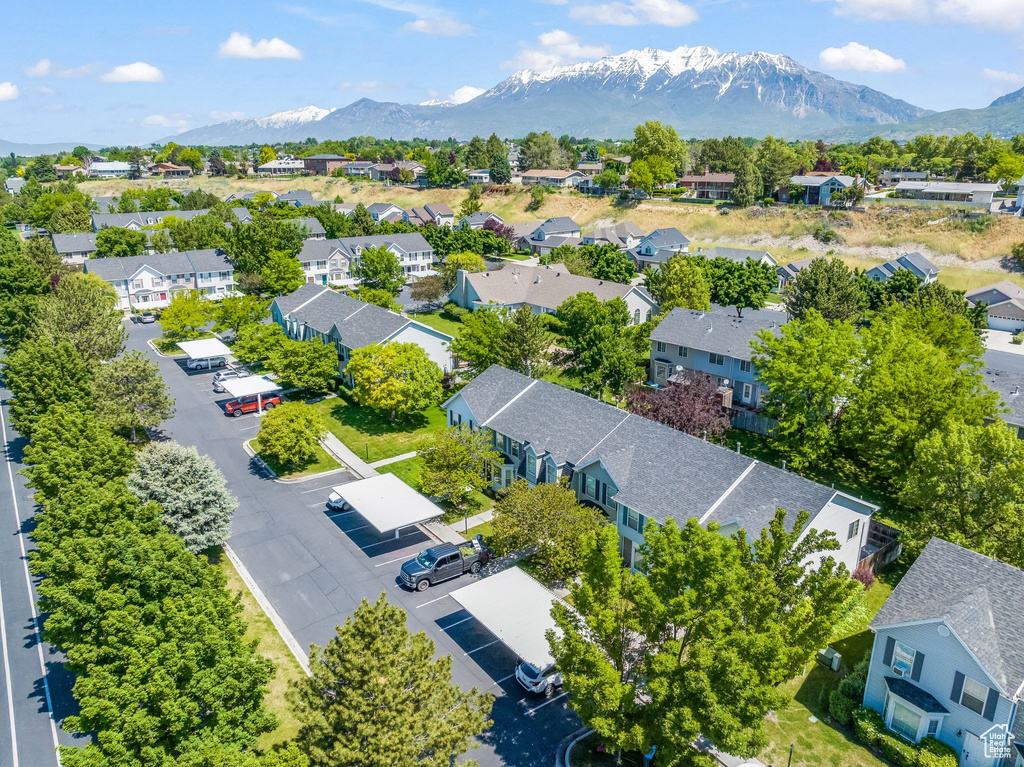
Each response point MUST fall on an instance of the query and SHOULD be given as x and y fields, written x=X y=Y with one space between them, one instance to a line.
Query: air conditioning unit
x=829 y=658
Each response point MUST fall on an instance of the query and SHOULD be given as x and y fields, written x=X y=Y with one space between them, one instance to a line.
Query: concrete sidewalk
x=346 y=457
x=456 y=533
x=393 y=459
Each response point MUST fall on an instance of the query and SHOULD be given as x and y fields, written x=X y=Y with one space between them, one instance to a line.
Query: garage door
x=1004 y=323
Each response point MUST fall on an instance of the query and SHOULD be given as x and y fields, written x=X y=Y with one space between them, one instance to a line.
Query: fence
x=748 y=420
x=883 y=544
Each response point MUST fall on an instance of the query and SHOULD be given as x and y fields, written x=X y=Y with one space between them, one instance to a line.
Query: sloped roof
x=819 y=180
x=546 y=286
x=358 y=323
x=558 y=225
x=75 y=242
x=997 y=293
x=718 y=330
x=739 y=255
x=312 y=224
x=666 y=237
x=102 y=220
x=480 y=217
x=184 y=262
x=1010 y=386
x=907 y=260
x=978 y=597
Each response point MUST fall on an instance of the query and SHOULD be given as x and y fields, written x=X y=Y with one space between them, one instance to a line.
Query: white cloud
x=884 y=10
x=43 y=90
x=139 y=72
x=225 y=116
x=239 y=46
x=175 y=122
x=429 y=20
x=555 y=47
x=40 y=69
x=466 y=93
x=46 y=68
x=860 y=58
x=308 y=13
x=995 y=15
x=632 y=13
x=8 y=91
x=1002 y=76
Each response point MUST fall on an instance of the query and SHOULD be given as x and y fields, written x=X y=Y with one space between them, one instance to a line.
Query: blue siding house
x=915 y=263
x=948 y=655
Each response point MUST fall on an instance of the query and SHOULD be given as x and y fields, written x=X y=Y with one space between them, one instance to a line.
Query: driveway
x=315 y=567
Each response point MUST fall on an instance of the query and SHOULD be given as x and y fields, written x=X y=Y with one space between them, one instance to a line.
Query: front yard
x=372 y=435
x=321 y=462
x=438 y=320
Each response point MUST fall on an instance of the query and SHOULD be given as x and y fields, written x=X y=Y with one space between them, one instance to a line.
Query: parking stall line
x=353 y=529
x=464 y=620
x=529 y=712
x=482 y=647
x=317 y=489
x=432 y=601
x=392 y=561
x=389 y=540
x=503 y=680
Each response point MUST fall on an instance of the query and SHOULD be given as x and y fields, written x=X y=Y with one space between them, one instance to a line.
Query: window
x=531 y=468
x=552 y=473
x=632 y=520
x=933 y=727
x=716 y=359
x=904 y=721
x=854 y=529
x=903 y=659
x=683 y=351
x=974 y=695
x=745 y=366
x=590 y=487
x=659 y=347
x=514 y=448
x=649 y=315
x=636 y=317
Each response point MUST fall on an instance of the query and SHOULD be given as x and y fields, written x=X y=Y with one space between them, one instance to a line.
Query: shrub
x=1017 y=251
x=934 y=753
x=768 y=201
x=551 y=323
x=868 y=726
x=1018 y=339
x=897 y=751
x=846 y=698
x=840 y=707
x=865 y=575
x=825 y=234
x=454 y=311
x=980 y=224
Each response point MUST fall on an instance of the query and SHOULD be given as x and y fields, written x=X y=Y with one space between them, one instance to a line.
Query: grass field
x=373 y=435
x=438 y=321
x=271 y=645
x=320 y=463
x=170 y=347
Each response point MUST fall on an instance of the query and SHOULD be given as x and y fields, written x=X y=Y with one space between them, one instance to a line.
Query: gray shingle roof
x=480 y=217
x=184 y=262
x=978 y=597
x=667 y=237
x=766 y=489
x=546 y=286
x=286 y=304
x=358 y=323
x=492 y=389
x=76 y=242
x=14 y=184
x=559 y=225
x=101 y=220
x=997 y=293
x=1010 y=387
x=911 y=693
x=312 y=224
x=819 y=180
x=739 y=255
x=719 y=330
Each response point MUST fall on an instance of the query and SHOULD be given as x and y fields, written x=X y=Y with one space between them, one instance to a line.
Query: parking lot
x=315 y=566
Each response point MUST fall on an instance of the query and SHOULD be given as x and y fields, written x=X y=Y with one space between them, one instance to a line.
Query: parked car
x=226 y=375
x=335 y=502
x=147 y=318
x=542 y=681
x=441 y=563
x=206 y=363
x=251 y=404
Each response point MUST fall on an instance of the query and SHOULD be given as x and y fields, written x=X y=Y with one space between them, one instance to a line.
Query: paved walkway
x=393 y=459
x=1002 y=341
x=346 y=457
x=456 y=533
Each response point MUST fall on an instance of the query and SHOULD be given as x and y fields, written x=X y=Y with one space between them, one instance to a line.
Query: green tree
x=23 y=284
x=748 y=187
x=236 y=312
x=524 y=342
x=453 y=262
x=640 y=177
x=608 y=179
x=427 y=289
x=471 y=204
x=777 y=162
x=267 y=154
x=379 y=269
x=130 y=394
x=70 y=217
x=500 y=170
x=602 y=352
x=291 y=433
x=185 y=316
x=476 y=154
x=83 y=310
x=610 y=263
x=377 y=697
x=539 y=150
x=191 y=158
x=547 y=520
x=457 y=467
x=966 y=485
x=249 y=245
x=661 y=169
x=394 y=378
x=255 y=343
x=828 y=287
x=39 y=250
x=282 y=274
x=69 y=445
x=381 y=298
x=192 y=492
x=477 y=342
x=494 y=146
x=311 y=365
x=116 y=242
x=811 y=371
x=652 y=139
x=136 y=159
x=680 y=282
x=741 y=285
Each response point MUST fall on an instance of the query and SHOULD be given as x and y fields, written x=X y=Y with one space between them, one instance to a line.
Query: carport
x=204 y=348
x=387 y=503
x=247 y=387
x=516 y=608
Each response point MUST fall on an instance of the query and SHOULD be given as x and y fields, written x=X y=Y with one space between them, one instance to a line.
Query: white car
x=207 y=363
x=535 y=680
x=226 y=375
x=336 y=503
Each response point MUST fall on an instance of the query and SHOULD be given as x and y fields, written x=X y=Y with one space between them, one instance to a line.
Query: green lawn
x=409 y=471
x=439 y=321
x=559 y=377
x=271 y=645
x=372 y=435
x=518 y=256
x=320 y=463
x=168 y=346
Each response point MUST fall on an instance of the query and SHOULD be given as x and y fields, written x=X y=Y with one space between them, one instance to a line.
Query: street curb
x=158 y=353
x=252 y=454
x=268 y=609
x=565 y=747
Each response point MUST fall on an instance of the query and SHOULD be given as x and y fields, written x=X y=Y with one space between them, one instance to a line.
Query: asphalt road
x=315 y=568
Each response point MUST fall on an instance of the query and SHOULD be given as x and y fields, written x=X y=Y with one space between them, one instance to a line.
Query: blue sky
x=135 y=72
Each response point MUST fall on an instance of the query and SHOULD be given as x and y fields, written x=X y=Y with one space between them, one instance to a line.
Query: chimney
x=707 y=170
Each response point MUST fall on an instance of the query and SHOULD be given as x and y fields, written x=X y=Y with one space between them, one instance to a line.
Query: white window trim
x=903 y=666
x=983 y=698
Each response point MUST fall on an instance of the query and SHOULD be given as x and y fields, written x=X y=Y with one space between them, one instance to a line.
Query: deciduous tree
x=282 y=273
x=680 y=282
x=378 y=268
x=255 y=343
x=311 y=365
x=453 y=262
x=41 y=374
x=457 y=464
x=83 y=311
x=745 y=285
x=290 y=433
x=185 y=316
x=602 y=351
x=428 y=289
x=117 y=242
x=691 y=405
x=395 y=378
x=236 y=312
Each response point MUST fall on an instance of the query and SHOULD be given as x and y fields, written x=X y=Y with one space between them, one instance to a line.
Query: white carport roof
x=387 y=503
x=246 y=387
x=516 y=608
x=204 y=347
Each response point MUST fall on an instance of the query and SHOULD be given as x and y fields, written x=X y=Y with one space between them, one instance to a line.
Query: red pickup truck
x=251 y=404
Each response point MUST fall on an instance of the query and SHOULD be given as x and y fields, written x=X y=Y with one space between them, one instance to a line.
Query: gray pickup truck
x=440 y=563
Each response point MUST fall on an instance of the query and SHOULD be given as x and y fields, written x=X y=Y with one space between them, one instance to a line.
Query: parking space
x=316 y=565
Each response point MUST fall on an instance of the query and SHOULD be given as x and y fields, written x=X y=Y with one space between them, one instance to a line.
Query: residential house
x=658 y=247
x=74 y=248
x=708 y=185
x=329 y=262
x=624 y=236
x=357 y=167
x=435 y=213
x=151 y=281
x=13 y=184
x=543 y=289
x=314 y=230
x=109 y=169
x=818 y=190
x=917 y=264
x=740 y=255
x=105 y=203
x=344 y=208
x=560 y=230
x=637 y=471
x=282 y=167
x=478 y=219
x=947 y=191
x=559 y=179
x=383 y=171
x=482 y=176
x=716 y=342
x=297 y=198
x=1005 y=301
x=385 y=211
x=250 y=196
x=589 y=168
x=315 y=312
x=68 y=171
x=170 y=170
x=890 y=178
x=136 y=221
x=948 y=654
x=323 y=164
x=788 y=272
x=1010 y=387
x=244 y=215
x=521 y=232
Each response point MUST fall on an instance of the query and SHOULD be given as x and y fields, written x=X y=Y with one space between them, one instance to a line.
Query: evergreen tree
x=500 y=170
x=748 y=186
x=130 y=394
x=40 y=375
x=83 y=311
x=476 y=154
x=524 y=342
x=828 y=287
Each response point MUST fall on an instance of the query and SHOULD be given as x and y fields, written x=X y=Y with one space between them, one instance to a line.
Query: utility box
x=830 y=659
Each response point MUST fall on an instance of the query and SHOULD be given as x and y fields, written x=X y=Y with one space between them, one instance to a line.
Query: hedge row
x=872 y=732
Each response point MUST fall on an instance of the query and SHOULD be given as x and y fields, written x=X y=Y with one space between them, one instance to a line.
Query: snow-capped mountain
x=699 y=90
